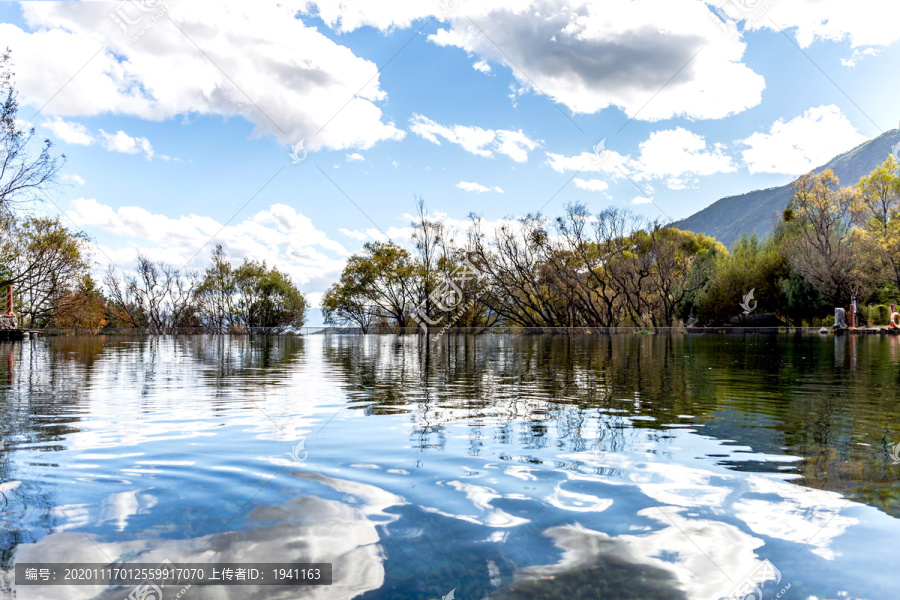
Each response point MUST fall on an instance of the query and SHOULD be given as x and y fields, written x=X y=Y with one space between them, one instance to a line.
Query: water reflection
x=302 y=529
x=546 y=467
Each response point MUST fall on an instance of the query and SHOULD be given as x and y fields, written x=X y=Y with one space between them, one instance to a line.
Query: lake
x=471 y=467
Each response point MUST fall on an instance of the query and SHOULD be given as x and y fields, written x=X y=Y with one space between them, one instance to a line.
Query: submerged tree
x=158 y=298
x=344 y=303
x=267 y=297
x=251 y=295
x=216 y=293
x=377 y=284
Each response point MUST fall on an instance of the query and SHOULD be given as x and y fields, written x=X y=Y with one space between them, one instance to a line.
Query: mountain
x=727 y=219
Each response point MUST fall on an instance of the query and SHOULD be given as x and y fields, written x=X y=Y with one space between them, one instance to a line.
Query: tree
x=753 y=264
x=344 y=303
x=44 y=261
x=587 y=251
x=158 y=298
x=681 y=261
x=22 y=176
x=251 y=295
x=267 y=298
x=522 y=284
x=820 y=240
x=83 y=307
x=383 y=278
x=879 y=208
x=40 y=257
x=216 y=294
x=428 y=237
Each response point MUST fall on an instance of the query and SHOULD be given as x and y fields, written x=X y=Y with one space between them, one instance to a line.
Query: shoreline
x=22 y=334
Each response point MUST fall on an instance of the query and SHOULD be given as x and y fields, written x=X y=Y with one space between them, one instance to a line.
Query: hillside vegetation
x=759 y=211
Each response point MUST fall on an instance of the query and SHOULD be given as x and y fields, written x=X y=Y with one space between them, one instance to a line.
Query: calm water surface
x=499 y=467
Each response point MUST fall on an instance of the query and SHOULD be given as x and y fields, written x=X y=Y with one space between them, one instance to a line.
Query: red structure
x=9 y=307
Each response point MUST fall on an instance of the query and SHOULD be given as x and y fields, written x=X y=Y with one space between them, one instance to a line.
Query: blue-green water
x=497 y=467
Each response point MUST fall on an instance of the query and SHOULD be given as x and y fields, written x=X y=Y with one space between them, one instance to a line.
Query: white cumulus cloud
x=280 y=235
x=356 y=235
x=801 y=144
x=480 y=142
x=673 y=153
x=593 y=185
x=482 y=66
x=122 y=142
x=76 y=178
x=862 y=23
x=587 y=55
x=471 y=186
x=69 y=131
x=222 y=57
x=670 y=155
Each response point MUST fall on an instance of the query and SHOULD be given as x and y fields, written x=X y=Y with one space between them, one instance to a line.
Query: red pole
x=9 y=308
x=853 y=315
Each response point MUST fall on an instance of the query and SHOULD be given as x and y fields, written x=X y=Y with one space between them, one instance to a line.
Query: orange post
x=9 y=307
x=853 y=315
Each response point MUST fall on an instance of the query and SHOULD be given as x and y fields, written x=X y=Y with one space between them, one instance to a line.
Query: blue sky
x=182 y=122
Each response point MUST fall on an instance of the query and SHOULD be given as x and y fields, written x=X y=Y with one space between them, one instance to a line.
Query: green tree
x=250 y=295
x=378 y=283
x=267 y=297
x=751 y=265
x=879 y=207
x=820 y=239
x=44 y=261
x=216 y=294
x=344 y=303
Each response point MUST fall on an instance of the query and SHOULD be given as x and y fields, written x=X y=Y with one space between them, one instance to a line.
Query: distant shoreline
x=17 y=335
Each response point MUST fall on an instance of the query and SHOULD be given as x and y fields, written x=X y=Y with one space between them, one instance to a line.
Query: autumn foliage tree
x=83 y=307
x=878 y=208
x=821 y=240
